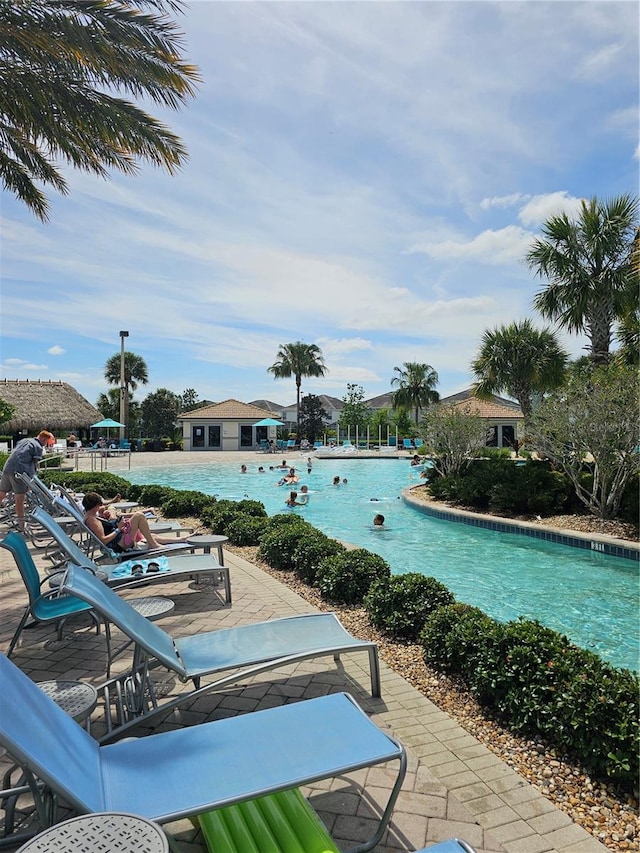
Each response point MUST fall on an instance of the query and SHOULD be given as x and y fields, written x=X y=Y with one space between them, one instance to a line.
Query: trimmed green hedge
x=399 y=605
x=541 y=685
x=347 y=577
x=106 y=484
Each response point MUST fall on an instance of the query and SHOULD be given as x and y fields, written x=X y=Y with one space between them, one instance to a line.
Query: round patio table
x=207 y=542
x=77 y=698
x=116 y=832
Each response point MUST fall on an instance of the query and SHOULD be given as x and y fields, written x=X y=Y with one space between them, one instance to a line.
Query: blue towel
x=124 y=569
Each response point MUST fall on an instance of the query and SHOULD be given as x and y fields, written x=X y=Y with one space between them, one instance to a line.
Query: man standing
x=24 y=459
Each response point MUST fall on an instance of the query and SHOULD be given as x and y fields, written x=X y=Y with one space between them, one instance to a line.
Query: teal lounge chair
x=47 y=607
x=189 y=771
x=247 y=649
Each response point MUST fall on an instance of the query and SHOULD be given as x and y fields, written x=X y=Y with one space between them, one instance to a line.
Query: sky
x=364 y=176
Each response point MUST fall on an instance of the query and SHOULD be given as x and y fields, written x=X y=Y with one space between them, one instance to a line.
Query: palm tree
x=60 y=66
x=416 y=386
x=298 y=359
x=520 y=360
x=588 y=262
x=135 y=371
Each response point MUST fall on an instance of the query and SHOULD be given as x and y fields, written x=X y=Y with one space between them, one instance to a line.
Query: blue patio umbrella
x=268 y=422
x=107 y=423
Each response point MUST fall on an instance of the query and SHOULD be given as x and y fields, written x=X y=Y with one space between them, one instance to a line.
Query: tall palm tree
x=588 y=262
x=298 y=359
x=62 y=65
x=135 y=371
x=416 y=386
x=520 y=360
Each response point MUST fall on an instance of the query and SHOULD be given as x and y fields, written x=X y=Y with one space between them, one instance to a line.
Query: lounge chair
x=248 y=649
x=118 y=574
x=47 y=607
x=189 y=771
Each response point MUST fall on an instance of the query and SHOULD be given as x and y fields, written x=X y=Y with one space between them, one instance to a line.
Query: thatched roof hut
x=45 y=405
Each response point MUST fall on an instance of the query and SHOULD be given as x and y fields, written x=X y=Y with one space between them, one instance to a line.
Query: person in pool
x=292 y=500
x=336 y=480
x=378 y=520
x=304 y=495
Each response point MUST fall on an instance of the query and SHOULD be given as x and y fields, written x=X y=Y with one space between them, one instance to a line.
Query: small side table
x=209 y=541
x=77 y=698
x=116 y=832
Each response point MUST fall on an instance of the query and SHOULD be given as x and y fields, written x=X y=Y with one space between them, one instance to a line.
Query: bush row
x=532 y=487
x=531 y=678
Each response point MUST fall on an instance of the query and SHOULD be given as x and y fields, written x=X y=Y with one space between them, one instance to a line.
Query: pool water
x=590 y=597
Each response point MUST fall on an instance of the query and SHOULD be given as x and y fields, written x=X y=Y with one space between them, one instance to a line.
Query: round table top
x=207 y=539
x=77 y=698
x=152 y=607
x=125 y=505
x=114 y=831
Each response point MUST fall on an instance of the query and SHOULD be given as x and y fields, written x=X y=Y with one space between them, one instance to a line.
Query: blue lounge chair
x=189 y=771
x=119 y=574
x=248 y=649
x=407 y=443
x=48 y=607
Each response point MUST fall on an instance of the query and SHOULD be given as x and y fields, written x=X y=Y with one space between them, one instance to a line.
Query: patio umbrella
x=107 y=423
x=269 y=422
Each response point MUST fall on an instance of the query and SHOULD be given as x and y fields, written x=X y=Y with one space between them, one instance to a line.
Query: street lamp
x=123 y=390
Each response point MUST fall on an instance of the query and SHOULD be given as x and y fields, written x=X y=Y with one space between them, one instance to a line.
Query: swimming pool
x=590 y=597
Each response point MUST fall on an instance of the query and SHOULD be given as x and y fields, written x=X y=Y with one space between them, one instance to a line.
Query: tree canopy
x=416 y=387
x=589 y=262
x=298 y=359
x=63 y=68
x=520 y=360
x=589 y=429
x=135 y=371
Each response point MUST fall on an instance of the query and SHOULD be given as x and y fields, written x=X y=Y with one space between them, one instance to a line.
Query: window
x=246 y=435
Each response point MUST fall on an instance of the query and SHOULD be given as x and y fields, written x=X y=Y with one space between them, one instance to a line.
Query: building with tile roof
x=229 y=425
x=504 y=418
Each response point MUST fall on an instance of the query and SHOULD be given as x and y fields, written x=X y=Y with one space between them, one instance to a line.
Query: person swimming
x=378 y=520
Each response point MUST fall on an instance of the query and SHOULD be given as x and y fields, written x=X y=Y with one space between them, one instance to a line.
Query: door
x=246 y=435
x=214 y=439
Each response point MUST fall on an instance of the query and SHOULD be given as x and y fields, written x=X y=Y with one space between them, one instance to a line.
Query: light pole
x=123 y=389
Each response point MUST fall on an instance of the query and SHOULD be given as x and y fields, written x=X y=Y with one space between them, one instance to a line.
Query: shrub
x=399 y=605
x=278 y=544
x=189 y=502
x=218 y=515
x=106 y=484
x=253 y=508
x=310 y=551
x=454 y=636
x=539 y=684
x=153 y=495
x=246 y=530
x=346 y=577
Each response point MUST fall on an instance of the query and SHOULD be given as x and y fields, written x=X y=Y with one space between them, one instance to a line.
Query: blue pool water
x=590 y=597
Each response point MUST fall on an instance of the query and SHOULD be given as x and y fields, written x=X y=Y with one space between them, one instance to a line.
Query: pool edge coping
x=597 y=542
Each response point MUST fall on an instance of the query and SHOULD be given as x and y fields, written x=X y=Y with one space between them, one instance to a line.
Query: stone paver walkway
x=454 y=785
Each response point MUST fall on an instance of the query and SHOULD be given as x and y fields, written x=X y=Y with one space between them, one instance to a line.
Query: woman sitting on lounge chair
x=120 y=534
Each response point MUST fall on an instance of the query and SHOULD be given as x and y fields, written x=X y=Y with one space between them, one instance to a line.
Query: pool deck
x=454 y=785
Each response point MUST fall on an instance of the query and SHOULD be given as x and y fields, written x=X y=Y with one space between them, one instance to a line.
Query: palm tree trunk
x=298 y=384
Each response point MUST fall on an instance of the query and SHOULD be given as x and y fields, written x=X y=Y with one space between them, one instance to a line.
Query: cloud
x=19 y=364
x=503 y=201
x=504 y=246
x=56 y=350
x=540 y=207
x=335 y=348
